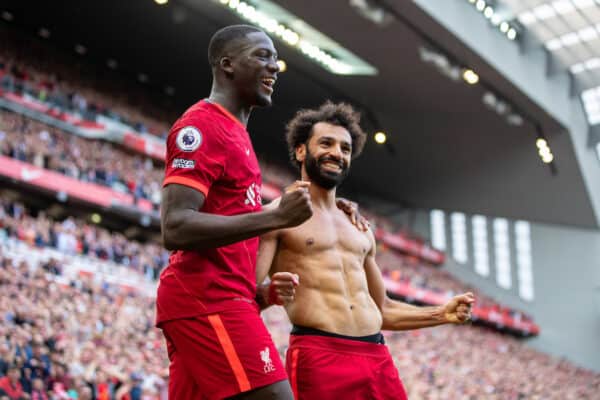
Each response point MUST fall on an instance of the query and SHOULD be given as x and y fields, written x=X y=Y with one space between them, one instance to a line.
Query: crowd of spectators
x=82 y=340
x=93 y=161
x=30 y=67
x=468 y=363
x=88 y=340
x=74 y=236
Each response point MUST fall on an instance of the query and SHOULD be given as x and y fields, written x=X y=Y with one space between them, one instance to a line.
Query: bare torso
x=328 y=253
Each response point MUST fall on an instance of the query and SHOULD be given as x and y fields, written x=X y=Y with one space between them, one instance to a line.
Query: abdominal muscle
x=333 y=294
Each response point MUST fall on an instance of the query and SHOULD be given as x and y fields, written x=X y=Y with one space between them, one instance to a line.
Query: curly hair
x=299 y=130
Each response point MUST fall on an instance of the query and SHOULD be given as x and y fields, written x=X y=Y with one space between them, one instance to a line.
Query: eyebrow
x=344 y=142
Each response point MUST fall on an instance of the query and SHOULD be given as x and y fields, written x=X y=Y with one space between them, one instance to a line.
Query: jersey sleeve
x=195 y=154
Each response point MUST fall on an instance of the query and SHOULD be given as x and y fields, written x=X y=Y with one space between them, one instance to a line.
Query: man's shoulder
x=200 y=118
x=345 y=226
x=202 y=124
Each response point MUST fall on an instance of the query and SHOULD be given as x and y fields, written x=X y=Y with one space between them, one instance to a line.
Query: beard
x=325 y=179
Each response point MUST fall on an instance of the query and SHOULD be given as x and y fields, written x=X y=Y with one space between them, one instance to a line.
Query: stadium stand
x=28 y=67
x=92 y=161
x=75 y=237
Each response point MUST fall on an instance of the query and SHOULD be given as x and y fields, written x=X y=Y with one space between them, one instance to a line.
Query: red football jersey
x=209 y=150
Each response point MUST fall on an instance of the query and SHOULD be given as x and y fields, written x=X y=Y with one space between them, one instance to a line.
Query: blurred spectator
x=38 y=392
x=10 y=385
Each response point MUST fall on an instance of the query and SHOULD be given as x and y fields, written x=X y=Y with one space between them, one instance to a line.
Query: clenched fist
x=458 y=309
x=295 y=206
x=283 y=288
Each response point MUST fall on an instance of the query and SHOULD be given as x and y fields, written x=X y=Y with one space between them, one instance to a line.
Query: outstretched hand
x=458 y=309
x=351 y=209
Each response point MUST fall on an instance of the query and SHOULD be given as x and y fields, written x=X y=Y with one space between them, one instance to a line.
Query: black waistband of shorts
x=376 y=338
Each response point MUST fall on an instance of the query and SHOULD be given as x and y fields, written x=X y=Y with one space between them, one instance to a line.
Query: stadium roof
x=447 y=146
x=570 y=30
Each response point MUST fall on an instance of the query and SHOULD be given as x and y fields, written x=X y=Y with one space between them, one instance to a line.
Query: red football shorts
x=220 y=355
x=328 y=368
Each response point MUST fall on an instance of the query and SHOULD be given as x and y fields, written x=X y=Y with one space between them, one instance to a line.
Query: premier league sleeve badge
x=189 y=139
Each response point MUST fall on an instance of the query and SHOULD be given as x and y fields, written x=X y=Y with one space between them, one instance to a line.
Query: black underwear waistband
x=376 y=338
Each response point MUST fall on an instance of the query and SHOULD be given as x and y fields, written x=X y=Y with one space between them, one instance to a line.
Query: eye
x=265 y=54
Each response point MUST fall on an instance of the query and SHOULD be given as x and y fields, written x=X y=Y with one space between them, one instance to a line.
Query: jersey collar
x=225 y=112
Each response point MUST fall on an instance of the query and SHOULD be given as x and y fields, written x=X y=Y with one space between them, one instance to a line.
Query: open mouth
x=268 y=83
x=331 y=166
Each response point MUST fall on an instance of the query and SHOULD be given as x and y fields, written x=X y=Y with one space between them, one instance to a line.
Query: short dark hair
x=299 y=130
x=223 y=37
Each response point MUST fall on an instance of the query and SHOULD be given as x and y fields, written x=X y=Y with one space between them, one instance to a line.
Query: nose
x=272 y=66
x=335 y=152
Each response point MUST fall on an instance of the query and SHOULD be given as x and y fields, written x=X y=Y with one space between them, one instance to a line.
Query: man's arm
x=186 y=228
x=399 y=316
x=281 y=289
x=267 y=247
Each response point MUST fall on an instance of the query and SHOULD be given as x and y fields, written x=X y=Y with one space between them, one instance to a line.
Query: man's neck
x=228 y=100
x=319 y=196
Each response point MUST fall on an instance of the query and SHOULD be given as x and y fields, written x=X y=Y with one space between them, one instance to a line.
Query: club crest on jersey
x=189 y=139
x=253 y=195
x=266 y=358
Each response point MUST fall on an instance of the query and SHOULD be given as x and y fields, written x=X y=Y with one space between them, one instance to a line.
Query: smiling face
x=252 y=68
x=326 y=157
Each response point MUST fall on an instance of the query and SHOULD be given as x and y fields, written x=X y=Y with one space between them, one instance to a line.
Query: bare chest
x=325 y=233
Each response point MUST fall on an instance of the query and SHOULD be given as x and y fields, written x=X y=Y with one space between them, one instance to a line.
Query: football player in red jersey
x=211 y=218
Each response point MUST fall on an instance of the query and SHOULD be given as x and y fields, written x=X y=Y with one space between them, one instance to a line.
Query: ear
x=226 y=65
x=301 y=153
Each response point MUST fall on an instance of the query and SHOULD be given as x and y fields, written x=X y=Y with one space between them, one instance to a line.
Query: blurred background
x=481 y=173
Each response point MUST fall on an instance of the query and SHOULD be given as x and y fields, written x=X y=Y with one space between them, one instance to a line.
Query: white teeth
x=268 y=81
x=332 y=165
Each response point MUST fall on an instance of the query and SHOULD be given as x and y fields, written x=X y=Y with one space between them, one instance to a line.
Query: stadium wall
x=566 y=267
x=566 y=278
